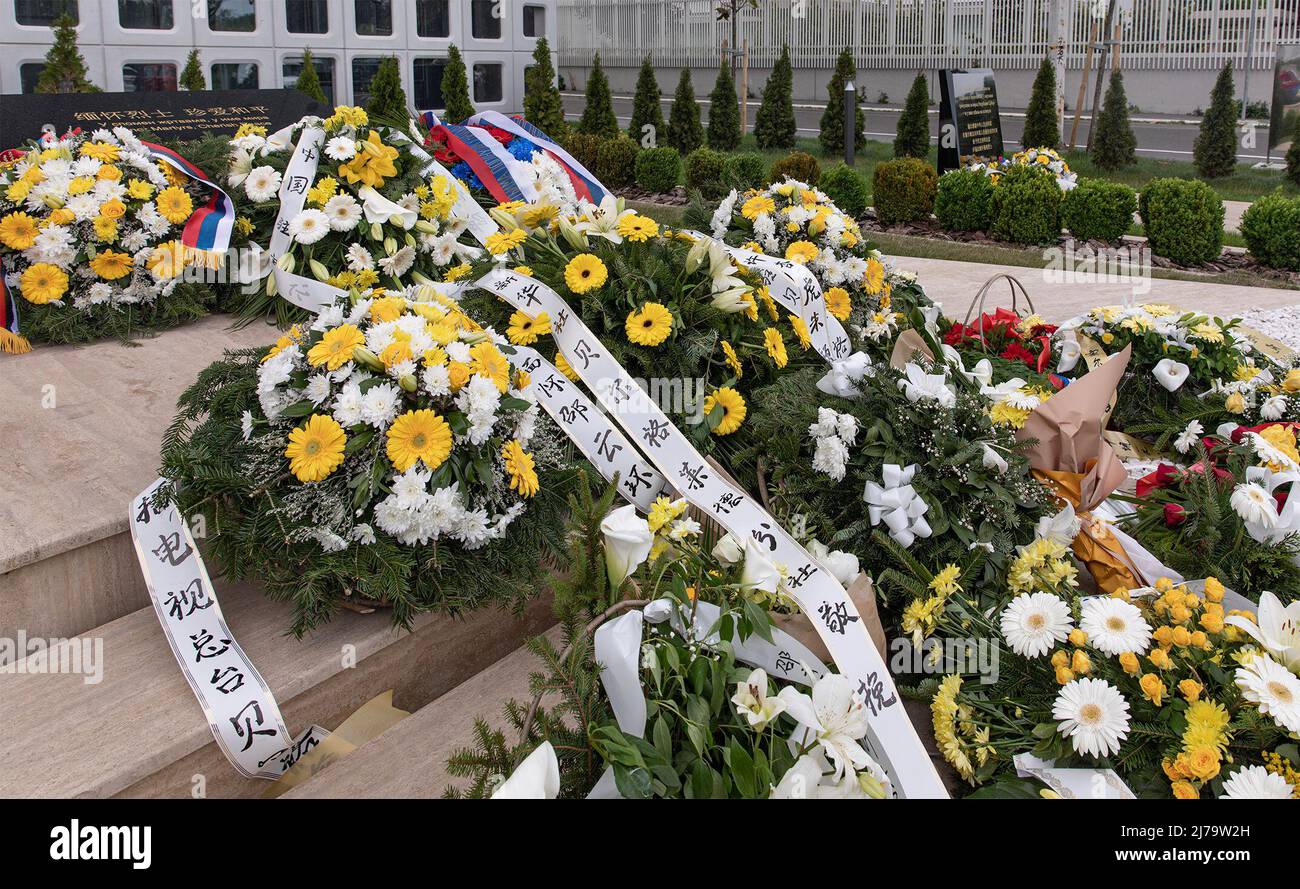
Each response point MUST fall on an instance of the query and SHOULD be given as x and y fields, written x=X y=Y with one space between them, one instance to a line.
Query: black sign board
x=169 y=116
x=969 y=126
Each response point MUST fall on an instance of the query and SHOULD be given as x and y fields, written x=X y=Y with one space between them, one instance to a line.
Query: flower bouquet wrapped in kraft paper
x=1072 y=457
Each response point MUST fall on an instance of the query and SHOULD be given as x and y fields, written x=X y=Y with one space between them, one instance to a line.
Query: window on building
x=324 y=70
x=363 y=71
x=426 y=80
x=42 y=13
x=232 y=15
x=29 y=73
x=234 y=76
x=145 y=15
x=534 y=21
x=149 y=77
x=485 y=19
x=487 y=83
x=433 y=18
x=374 y=17
x=306 y=16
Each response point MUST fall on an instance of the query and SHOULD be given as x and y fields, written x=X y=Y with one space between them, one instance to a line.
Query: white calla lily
x=1070 y=354
x=728 y=550
x=758 y=572
x=1171 y=374
x=538 y=777
x=627 y=543
x=380 y=209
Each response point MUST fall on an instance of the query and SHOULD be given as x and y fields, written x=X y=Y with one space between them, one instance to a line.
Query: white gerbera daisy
x=1188 y=438
x=343 y=211
x=359 y=258
x=1256 y=782
x=262 y=184
x=246 y=424
x=1254 y=505
x=1272 y=687
x=309 y=226
x=1115 y=626
x=1093 y=715
x=340 y=148
x=1034 y=622
x=1269 y=453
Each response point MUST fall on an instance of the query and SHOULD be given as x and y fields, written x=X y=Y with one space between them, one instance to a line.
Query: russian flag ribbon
x=487 y=166
x=209 y=227
x=584 y=181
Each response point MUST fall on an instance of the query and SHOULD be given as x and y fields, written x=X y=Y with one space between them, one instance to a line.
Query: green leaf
x=742 y=770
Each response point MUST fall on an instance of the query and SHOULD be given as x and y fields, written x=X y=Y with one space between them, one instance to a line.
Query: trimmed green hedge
x=1183 y=220
x=964 y=201
x=1098 y=210
x=904 y=190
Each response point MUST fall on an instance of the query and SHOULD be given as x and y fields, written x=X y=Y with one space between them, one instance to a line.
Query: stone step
x=81 y=427
x=140 y=732
x=409 y=760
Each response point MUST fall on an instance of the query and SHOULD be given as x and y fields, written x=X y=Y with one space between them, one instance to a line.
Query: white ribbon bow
x=897 y=504
x=844 y=375
x=981 y=373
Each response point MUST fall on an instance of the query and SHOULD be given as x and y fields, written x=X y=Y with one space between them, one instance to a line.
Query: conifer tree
x=645 y=107
x=1042 y=129
x=543 y=107
x=774 y=125
x=1115 y=145
x=455 y=88
x=309 y=80
x=913 y=136
x=387 y=98
x=832 y=123
x=724 y=112
x=192 y=77
x=65 y=69
x=684 y=130
x=598 y=115
x=1215 y=151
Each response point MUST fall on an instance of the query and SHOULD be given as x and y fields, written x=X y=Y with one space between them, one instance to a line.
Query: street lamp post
x=850 y=122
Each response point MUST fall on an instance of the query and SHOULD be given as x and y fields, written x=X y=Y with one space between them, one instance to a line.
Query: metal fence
x=923 y=34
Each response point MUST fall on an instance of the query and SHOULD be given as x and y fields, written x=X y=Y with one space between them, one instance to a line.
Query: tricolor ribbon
x=585 y=183
x=210 y=226
x=11 y=340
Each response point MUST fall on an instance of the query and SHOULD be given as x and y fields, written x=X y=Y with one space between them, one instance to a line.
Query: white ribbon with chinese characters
x=891 y=739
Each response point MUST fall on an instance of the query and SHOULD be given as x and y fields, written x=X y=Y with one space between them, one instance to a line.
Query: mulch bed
x=675 y=198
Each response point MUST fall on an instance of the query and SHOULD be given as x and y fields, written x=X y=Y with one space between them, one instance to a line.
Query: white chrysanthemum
x=826 y=423
x=309 y=226
x=344 y=212
x=262 y=184
x=846 y=427
x=1273 y=688
x=831 y=457
x=379 y=405
x=246 y=425
x=1034 y=622
x=359 y=258
x=1093 y=715
x=1256 y=782
x=1273 y=408
x=1115 y=626
x=1254 y=504
x=340 y=148
x=318 y=389
x=458 y=351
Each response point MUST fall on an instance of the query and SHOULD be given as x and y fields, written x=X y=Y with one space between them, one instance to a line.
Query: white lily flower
x=728 y=550
x=602 y=221
x=833 y=718
x=921 y=386
x=752 y=702
x=1278 y=629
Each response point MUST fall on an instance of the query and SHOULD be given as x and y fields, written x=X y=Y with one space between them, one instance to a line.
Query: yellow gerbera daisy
x=758 y=204
x=801 y=251
x=503 y=242
x=649 y=325
x=316 y=450
x=875 y=276
x=585 y=272
x=733 y=409
x=110 y=265
x=387 y=308
x=524 y=331
x=100 y=151
x=43 y=283
x=18 y=231
x=175 y=204
x=837 y=303
x=418 y=436
x=519 y=466
x=775 y=346
x=801 y=331
x=534 y=215
x=167 y=260
x=563 y=366
x=487 y=361
x=335 y=348
x=637 y=228
x=139 y=189
x=733 y=361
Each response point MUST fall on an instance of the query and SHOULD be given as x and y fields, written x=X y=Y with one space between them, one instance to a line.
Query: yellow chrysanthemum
x=418 y=436
x=733 y=361
x=649 y=325
x=801 y=331
x=43 y=283
x=519 y=466
x=874 y=278
x=139 y=189
x=455 y=273
x=524 y=331
x=250 y=129
x=663 y=511
x=324 y=189
x=80 y=185
x=387 y=308
x=733 y=409
x=523 y=270
x=347 y=115
x=775 y=346
x=335 y=348
x=838 y=303
x=503 y=242
x=758 y=204
x=373 y=163
x=487 y=361
x=316 y=449
x=585 y=272
x=18 y=231
x=637 y=228
x=801 y=251
x=282 y=343
x=1003 y=414
x=174 y=204
x=110 y=265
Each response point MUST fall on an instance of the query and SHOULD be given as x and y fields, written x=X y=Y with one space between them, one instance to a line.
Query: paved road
x=1169 y=138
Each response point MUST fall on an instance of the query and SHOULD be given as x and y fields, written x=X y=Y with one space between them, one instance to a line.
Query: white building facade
x=137 y=45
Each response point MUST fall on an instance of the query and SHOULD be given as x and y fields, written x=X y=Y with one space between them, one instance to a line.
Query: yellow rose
x=1203 y=762
x=1185 y=790
x=109 y=173
x=1080 y=663
x=1292 y=381
x=1214 y=589
x=1078 y=637
x=1182 y=636
x=1190 y=689
x=1152 y=687
x=1160 y=658
x=1164 y=636
x=112 y=209
x=1129 y=661
x=1063 y=676
x=1060 y=659
x=1212 y=622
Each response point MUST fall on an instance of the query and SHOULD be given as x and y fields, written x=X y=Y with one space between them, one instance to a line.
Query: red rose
x=1175 y=515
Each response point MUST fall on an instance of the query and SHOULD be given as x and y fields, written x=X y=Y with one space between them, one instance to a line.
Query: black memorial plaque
x=169 y=116
x=969 y=125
